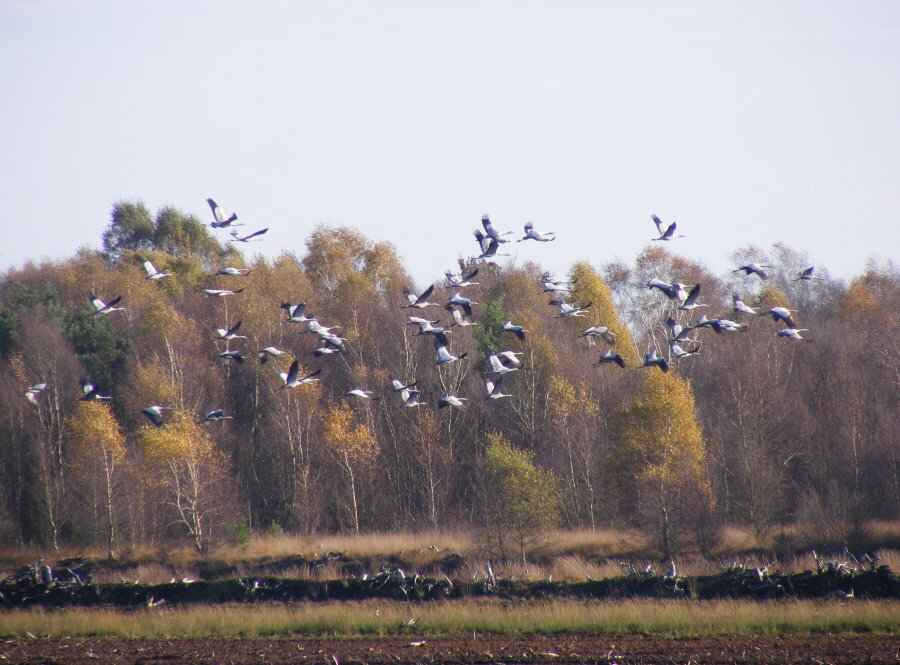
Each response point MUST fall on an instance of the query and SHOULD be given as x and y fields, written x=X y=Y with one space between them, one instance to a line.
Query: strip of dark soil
x=556 y=649
x=46 y=587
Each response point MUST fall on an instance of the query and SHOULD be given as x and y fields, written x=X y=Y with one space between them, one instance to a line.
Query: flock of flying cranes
x=498 y=364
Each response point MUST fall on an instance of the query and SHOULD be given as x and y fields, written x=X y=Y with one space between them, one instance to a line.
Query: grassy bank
x=672 y=618
x=565 y=555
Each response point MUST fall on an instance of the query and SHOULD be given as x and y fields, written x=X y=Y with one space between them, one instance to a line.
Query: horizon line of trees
x=755 y=430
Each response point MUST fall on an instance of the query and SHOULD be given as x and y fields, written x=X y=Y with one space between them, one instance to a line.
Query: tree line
x=754 y=430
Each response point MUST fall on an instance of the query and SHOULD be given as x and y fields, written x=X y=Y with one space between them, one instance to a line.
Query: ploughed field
x=561 y=648
x=836 y=613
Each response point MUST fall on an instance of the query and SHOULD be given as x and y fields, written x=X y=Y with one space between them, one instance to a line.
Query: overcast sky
x=745 y=122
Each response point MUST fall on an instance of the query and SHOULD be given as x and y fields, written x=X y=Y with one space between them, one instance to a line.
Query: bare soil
x=507 y=650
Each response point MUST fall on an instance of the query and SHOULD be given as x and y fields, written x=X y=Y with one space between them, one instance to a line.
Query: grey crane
x=460 y=301
x=316 y=328
x=459 y=319
x=444 y=356
x=230 y=333
x=421 y=321
x=679 y=353
x=455 y=281
x=155 y=414
x=439 y=332
x=610 y=357
x=328 y=348
x=295 y=313
x=532 y=234
x=216 y=415
x=551 y=285
x=360 y=392
x=420 y=301
x=690 y=302
x=412 y=400
x=233 y=272
x=794 y=333
x=152 y=272
x=516 y=330
x=33 y=392
x=754 y=269
x=292 y=378
x=739 y=306
x=90 y=393
x=236 y=237
x=101 y=307
x=781 y=314
x=488 y=245
x=673 y=291
x=232 y=355
x=405 y=389
x=720 y=325
x=677 y=332
x=592 y=332
x=807 y=275
x=452 y=400
x=268 y=352
x=491 y=232
x=665 y=232
x=493 y=389
x=652 y=358
x=221 y=293
x=220 y=219
x=497 y=366
x=510 y=358
x=397 y=386
x=568 y=309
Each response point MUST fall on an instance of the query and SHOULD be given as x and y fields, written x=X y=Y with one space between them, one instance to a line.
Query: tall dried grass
x=366 y=545
x=675 y=618
x=573 y=555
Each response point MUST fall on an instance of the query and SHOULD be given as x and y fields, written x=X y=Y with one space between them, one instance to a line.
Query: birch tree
x=97 y=450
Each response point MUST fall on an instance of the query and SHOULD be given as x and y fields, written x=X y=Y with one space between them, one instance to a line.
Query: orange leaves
x=865 y=303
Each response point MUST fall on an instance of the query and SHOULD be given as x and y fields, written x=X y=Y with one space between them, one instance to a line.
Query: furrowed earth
x=568 y=648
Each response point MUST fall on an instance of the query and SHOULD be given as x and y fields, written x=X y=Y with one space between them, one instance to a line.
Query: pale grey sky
x=745 y=122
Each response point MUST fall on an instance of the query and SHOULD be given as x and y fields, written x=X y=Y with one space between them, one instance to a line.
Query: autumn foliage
x=754 y=429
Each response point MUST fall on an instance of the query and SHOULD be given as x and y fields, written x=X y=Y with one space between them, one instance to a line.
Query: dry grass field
x=564 y=555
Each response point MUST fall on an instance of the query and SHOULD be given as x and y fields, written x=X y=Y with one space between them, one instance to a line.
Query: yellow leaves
x=769 y=297
x=588 y=406
x=179 y=440
x=333 y=255
x=349 y=440
x=565 y=401
x=383 y=267
x=561 y=398
x=590 y=287
x=520 y=495
x=92 y=431
x=158 y=321
x=150 y=385
x=659 y=435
